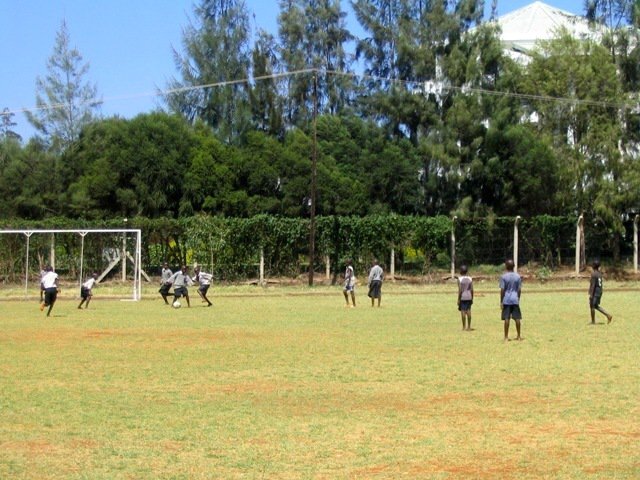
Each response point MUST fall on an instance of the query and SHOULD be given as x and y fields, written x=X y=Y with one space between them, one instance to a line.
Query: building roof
x=522 y=28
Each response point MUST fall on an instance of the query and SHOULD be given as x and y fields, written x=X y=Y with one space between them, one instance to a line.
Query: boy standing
x=465 y=297
x=376 y=276
x=510 y=288
x=204 y=279
x=50 y=287
x=85 y=290
x=165 y=275
x=349 y=284
x=595 y=293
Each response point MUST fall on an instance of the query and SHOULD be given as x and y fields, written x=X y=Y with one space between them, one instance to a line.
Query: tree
x=586 y=129
x=216 y=59
x=6 y=125
x=266 y=101
x=65 y=102
x=130 y=167
x=313 y=35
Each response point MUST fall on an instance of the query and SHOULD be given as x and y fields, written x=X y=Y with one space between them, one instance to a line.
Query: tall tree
x=586 y=127
x=266 y=101
x=65 y=101
x=215 y=61
x=7 y=124
x=313 y=35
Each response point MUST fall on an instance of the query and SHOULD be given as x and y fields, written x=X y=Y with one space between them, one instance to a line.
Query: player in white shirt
x=50 y=286
x=349 y=287
x=86 y=290
x=465 y=297
x=180 y=281
x=204 y=279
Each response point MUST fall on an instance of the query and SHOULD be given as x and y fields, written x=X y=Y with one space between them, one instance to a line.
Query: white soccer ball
x=177 y=304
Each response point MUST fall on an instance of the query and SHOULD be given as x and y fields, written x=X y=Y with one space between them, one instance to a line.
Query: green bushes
x=231 y=247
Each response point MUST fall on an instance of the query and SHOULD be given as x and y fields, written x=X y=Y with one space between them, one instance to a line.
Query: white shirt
x=204 y=278
x=50 y=280
x=89 y=283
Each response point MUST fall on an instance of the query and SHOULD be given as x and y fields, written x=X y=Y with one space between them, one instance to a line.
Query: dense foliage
x=440 y=121
x=231 y=247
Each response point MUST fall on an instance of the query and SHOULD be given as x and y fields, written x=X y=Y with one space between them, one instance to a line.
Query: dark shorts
x=349 y=288
x=511 y=311
x=465 y=305
x=375 y=289
x=50 y=295
x=84 y=293
x=164 y=289
x=180 y=292
x=594 y=301
x=204 y=289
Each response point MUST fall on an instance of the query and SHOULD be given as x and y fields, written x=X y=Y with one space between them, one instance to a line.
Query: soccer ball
x=177 y=304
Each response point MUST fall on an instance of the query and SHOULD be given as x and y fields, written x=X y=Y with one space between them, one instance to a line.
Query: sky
x=127 y=43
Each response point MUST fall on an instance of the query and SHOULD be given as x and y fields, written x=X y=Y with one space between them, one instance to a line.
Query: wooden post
x=635 y=243
x=262 y=266
x=52 y=252
x=515 y=243
x=392 y=265
x=578 y=243
x=453 y=247
x=26 y=268
x=124 y=253
x=327 y=267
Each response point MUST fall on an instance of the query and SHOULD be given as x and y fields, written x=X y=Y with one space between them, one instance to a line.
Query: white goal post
x=136 y=259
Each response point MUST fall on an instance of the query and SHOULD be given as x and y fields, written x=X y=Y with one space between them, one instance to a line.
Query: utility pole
x=313 y=194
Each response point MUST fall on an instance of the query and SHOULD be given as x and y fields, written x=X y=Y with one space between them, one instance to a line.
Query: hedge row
x=231 y=246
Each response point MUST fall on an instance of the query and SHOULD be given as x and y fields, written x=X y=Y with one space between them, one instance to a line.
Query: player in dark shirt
x=595 y=293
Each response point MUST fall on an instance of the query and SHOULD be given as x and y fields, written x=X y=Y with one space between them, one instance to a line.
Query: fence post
x=516 y=242
x=635 y=243
x=578 y=243
x=327 y=267
x=392 y=265
x=261 y=266
x=52 y=252
x=124 y=253
x=453 y=246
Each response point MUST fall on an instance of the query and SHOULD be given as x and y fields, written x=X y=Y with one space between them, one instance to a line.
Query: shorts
x=180 y=292
x=164 y=289
x=203 y=289
x=375 y=289
x=50 y=295
x=594 y=302
x=511 y=311
x=84 y=293
x=465 y=305
x=349 y=288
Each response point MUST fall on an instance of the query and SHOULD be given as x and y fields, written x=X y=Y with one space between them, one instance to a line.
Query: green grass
x=286 y=383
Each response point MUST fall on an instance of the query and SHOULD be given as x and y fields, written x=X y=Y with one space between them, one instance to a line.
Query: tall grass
x=289 y=385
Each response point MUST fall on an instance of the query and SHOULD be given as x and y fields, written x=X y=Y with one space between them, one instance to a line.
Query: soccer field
x=286 y=383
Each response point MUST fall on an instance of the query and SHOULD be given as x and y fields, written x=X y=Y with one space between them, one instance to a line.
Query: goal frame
x=137 y=259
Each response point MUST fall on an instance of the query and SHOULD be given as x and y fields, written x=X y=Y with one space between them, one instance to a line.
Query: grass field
x=286 y=383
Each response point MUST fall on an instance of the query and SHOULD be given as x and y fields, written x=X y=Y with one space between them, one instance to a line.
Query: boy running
x=204 y=279
x=85 y=290
x=510 y=288
x=50 y=287
x=595 y=293
x=349 y=284
x=180 y=281
x=465 y=297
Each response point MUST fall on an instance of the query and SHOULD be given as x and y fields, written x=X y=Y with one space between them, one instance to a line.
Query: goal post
x=120 y=257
